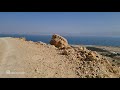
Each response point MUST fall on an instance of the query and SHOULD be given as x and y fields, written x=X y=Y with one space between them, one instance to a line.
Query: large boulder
x=59 y=41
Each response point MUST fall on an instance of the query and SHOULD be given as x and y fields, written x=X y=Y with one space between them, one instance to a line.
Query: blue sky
x=71 y=23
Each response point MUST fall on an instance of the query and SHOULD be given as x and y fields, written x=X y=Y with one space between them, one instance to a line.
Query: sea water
x=75 y=40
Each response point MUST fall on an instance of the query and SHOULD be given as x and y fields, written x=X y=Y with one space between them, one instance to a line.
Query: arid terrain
x=112 y=53
x=26 y=59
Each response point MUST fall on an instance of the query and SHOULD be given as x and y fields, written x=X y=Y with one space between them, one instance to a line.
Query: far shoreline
x=93 y=45
x=86 y=45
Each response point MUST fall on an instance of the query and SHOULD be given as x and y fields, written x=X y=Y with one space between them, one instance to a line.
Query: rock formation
x=88 y=63
x=59 y=41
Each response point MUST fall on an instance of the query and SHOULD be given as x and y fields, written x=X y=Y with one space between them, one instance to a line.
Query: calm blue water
x=91 y=40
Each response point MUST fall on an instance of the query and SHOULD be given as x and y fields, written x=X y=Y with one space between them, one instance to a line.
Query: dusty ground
x=19 y=58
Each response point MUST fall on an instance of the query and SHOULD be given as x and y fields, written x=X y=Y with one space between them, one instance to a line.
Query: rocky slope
x=59 y=60
x=87 y=63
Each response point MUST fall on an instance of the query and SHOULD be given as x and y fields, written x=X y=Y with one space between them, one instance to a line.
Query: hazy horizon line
x=64 y=34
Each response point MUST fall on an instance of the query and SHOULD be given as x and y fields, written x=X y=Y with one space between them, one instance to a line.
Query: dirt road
x=10 y=65
x=26 y=59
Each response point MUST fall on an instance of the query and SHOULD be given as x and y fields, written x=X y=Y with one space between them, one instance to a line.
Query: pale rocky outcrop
x=59 y=41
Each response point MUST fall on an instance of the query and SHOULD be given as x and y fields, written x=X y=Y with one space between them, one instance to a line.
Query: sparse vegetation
x=96 y=49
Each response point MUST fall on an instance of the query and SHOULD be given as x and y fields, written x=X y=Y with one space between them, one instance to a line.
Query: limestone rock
x=92 y=56
x=42 y=43
x=22 y=38
x=59 y=41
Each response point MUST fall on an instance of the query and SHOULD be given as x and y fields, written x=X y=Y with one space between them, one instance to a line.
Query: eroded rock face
x=85 y=63
x=59 y=41
x=81 y=53
x=90 y=64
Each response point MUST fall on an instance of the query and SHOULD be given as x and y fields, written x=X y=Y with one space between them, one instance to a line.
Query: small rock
x=65 y=52
x=23 y=38
x=36 y=70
